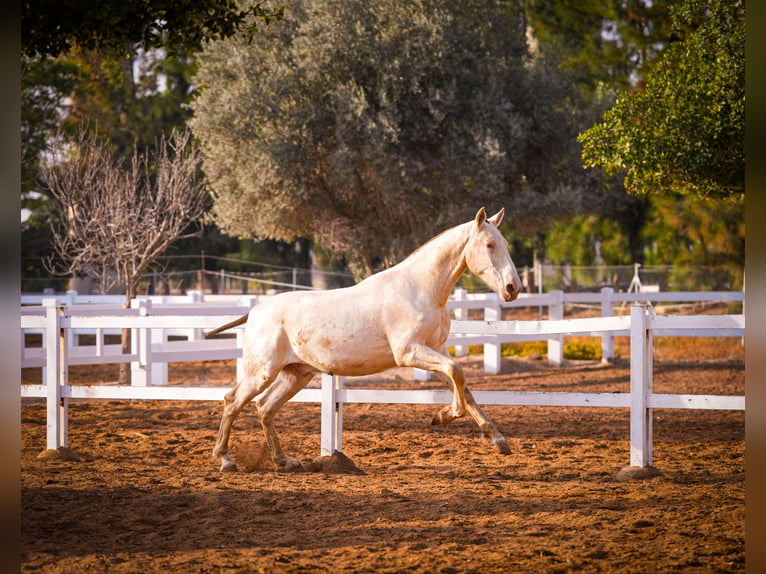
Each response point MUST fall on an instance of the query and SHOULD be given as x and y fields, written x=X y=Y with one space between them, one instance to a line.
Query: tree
x=683 y=132
x=114 y=220
x=128 y=101
x=600 y=42
x=366 y=126
x=702 y=238
x=574 y=242
x=51 y=27
x=121 y=67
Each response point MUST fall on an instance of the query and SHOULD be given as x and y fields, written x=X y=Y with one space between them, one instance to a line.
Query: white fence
x=157 y=343
x=57 y=323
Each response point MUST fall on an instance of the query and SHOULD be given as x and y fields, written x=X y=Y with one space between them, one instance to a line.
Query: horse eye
x=490 y=245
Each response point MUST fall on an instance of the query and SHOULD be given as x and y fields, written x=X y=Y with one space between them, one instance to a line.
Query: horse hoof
x=501 y=446
x=228 y=467
x=442 y=417
x=438 y=419
x=289 y=464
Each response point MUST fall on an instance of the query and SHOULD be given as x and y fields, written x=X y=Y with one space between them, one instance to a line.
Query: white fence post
x=640 y=387
x=556 y=343
x=607 y=339
x=249 y=301
x=197 y=296
x=492 y=351
x=141 y=344
x=461 y=314
x=332 y=415
x=57 y=433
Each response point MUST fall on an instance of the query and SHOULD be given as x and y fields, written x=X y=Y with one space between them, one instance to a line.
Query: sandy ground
x=146 y=497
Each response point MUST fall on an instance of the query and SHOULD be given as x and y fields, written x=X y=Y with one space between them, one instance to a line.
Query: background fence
x=163 y=346
x=154 y=322
x=221 y=275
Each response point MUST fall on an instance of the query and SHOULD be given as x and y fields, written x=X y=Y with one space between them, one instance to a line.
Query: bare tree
x=115 y=219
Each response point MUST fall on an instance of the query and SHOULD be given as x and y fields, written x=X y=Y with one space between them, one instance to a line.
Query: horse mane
x=433 y=240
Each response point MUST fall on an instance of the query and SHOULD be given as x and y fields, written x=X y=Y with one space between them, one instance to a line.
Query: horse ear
x=497 y=219
x=481 y=217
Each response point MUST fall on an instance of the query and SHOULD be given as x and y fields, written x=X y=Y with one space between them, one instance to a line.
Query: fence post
x=141 y=344
x=56 y=375
x=556 y=342
x=196 y=296
x=640 y=391
x=461 y=313
x=248 y=301
x=492 y=351
x=332 y=414
x=607 y=339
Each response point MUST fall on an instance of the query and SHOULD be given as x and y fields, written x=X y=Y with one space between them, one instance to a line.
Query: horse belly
x=343 y=352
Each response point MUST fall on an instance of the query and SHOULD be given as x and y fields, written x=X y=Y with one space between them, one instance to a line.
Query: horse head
x=486 y=255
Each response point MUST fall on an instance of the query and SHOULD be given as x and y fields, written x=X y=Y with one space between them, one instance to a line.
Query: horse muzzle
x=511 y=292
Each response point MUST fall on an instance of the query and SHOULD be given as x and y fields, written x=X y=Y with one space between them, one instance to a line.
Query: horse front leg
x=426 y=358
x=489 y=432
x=292 y=379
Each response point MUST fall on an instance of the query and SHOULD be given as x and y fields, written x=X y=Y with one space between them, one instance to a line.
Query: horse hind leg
x=233 y=403
x=292 y=379
x=489 y=432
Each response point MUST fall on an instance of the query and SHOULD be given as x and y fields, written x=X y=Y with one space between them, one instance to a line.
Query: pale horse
x=397 y=317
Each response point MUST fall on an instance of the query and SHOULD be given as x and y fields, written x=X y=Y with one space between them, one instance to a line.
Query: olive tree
x=368 y=125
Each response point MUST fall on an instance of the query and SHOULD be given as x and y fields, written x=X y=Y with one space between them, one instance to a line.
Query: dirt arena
x=143 y=495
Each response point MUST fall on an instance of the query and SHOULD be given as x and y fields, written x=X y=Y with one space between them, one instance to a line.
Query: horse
x=397 y=317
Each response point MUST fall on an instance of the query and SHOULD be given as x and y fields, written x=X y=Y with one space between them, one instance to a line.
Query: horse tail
x=235 y=323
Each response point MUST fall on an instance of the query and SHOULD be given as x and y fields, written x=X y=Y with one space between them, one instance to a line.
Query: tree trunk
x=125 y=367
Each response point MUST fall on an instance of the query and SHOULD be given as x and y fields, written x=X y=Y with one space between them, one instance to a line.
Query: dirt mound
x=336 y=463
x=61 y=453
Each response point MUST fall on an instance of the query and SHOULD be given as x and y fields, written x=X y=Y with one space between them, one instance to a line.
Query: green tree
x=683 y=132
x=51 y=27
x=366 y=126
x=588 y=240
x=128 y=100
x=703 y=238
x=600 y=42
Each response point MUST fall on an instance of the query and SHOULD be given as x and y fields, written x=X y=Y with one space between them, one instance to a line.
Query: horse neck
x=437 y=265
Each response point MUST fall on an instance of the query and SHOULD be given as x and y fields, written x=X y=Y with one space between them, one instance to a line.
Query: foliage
x=531 y=348
x=129 y=101
x=369 y=126
x=581 y=350
x=683 y=132
x=575 y=348
x=43 y=85
x=52 y=27
x=125 y=105
x=706 y=235
x=588 y=240
x=600 y=42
